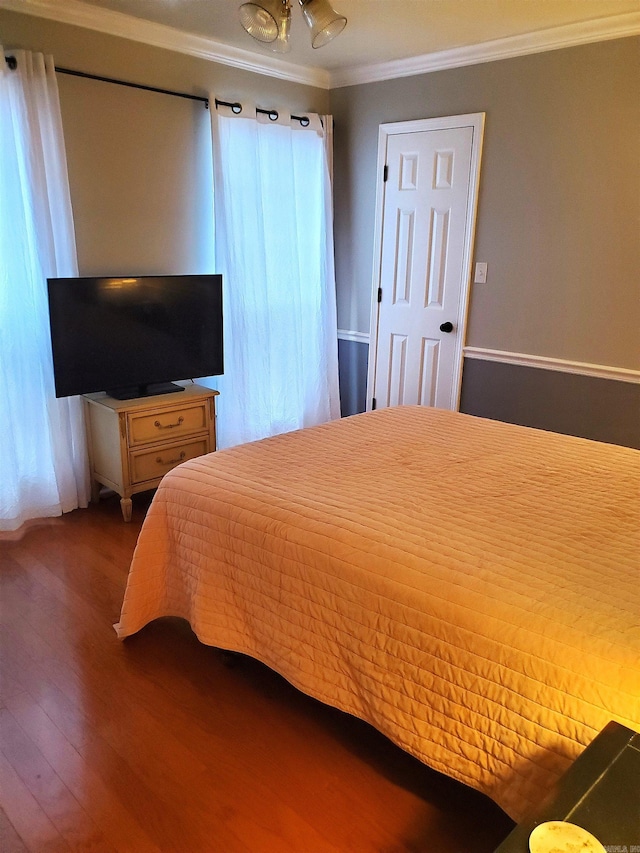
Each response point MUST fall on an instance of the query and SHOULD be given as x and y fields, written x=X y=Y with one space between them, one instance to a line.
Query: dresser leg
x=126 y=507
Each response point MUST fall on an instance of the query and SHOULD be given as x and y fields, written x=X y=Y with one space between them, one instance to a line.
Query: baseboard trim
x=602 y=371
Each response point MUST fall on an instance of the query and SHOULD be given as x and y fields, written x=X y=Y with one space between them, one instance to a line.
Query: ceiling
x=378 y=32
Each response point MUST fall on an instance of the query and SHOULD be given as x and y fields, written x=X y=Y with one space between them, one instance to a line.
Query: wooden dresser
x=134 y=443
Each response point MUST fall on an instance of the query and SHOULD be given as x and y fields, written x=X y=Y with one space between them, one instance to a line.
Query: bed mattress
x=470 y=588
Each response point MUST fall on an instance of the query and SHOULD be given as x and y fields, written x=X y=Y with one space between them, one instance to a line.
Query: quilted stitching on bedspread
x=468 y=587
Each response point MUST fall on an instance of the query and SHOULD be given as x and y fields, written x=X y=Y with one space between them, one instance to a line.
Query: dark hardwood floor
x=156 y=744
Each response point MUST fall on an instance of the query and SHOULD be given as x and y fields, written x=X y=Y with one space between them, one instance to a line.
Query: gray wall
x=353 y=360
x=141 y=179
x=559 y=207
x=586 y=406
x=139 y=163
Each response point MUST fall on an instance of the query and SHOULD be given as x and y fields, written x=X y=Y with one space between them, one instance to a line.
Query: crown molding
x=568 y=35
x=159 y=35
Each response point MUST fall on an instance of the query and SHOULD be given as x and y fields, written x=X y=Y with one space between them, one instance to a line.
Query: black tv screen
x=134 y=336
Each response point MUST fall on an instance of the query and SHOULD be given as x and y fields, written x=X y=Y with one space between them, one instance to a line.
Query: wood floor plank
x=154 y=744
x=10 y=841
x=172 y=774
x=29 y=820
x=52 y=795
x=84 y=779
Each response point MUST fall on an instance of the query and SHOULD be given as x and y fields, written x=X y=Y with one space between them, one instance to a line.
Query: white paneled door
x=425 y=221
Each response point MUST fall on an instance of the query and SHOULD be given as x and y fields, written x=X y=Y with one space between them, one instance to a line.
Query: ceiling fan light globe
x=328 y=33
x=323 y=21
x=260 y=19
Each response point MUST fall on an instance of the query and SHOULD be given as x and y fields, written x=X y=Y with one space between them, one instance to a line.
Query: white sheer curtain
x=274 y=247
x=43 y=467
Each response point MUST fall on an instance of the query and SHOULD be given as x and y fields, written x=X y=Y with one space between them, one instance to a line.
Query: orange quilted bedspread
x=470 y=588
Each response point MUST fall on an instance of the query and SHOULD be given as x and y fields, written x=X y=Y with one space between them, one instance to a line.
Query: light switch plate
x=480 y=276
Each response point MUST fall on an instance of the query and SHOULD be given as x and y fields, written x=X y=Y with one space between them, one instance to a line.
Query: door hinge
x=374 y=403
x=385 y=173
x=379 y=294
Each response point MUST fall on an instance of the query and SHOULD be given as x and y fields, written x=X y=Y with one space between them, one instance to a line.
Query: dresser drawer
x=166 y=424
x=147 y=465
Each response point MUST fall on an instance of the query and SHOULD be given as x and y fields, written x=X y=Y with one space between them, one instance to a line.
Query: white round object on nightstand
x=558 y=836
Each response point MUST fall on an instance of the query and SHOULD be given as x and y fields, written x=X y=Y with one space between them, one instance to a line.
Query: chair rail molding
x=356 y=337
x=602 y=371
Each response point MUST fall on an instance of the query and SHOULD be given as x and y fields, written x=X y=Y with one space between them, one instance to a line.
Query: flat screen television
x=134 y=336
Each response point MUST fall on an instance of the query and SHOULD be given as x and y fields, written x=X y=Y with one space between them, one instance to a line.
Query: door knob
x=446 y=327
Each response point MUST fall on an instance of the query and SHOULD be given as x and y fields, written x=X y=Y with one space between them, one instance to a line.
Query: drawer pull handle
x=168 y=426
x=161 y=461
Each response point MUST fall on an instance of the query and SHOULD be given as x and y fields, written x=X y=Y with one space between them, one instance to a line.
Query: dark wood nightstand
x=599 y=792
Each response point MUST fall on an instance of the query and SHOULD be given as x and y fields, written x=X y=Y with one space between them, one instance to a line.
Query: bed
x=470 y=588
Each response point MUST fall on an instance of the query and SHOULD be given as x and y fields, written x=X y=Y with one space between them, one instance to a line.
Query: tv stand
x=134 y=392
x=133 y=443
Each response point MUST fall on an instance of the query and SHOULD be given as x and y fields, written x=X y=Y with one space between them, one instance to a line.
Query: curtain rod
x=203 y=100
x=235 y=106
x=12 y=62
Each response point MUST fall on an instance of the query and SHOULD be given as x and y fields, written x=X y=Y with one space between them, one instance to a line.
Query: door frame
x=476 y=121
